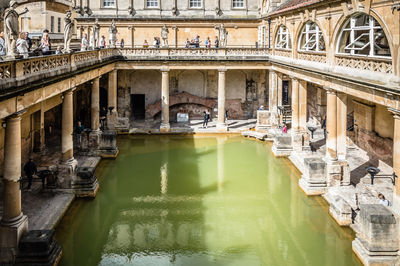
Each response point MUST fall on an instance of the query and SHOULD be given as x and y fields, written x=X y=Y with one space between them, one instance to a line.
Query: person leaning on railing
x=22 y=45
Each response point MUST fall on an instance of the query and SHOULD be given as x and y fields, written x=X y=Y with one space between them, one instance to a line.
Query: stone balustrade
x=16 y=73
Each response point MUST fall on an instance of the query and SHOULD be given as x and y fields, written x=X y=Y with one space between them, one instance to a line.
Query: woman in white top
x=45 y=44
x=102 y=42
x=84 y=42
x=22 y=45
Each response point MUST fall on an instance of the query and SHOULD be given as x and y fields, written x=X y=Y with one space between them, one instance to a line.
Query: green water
x=169 y=200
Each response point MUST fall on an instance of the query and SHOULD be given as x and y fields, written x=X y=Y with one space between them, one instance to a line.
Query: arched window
x=311 y=38
x=363 y=36
x=282 y=40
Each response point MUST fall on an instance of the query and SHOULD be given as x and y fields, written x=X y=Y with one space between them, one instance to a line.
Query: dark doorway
x=36 y=142
x=285 y=92
x=138 y=106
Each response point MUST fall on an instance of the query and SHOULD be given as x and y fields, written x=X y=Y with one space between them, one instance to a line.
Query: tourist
x=122 y=43
x=103 y=117
x=216 y=42
x=2 y=44
x=208 y=42
x=226 y=115
x=383 y=200
x=261 y=108
x=102 y=42
x=196 y=41
x=323 y=126
x=145 y=44
x=206 y=117
x=156 y=43
x=59 y=50
x=84 y=42
x=22 y=45
x=46 y=31
x=284 y=129
x=30 y=169
x=79 y=130
x=45 y=44
x=28 y=41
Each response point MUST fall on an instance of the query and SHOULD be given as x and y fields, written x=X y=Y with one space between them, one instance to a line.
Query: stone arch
x=147 y=82
x=192 y=81
x=344 y=19
x=276 y=33
x=236 y=84
x=299 y=29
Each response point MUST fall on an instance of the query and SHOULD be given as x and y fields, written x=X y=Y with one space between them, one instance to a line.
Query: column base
x=338 y=173
x=10 y=234
x=282 y=146
x=85 y=184
x=340 y=210
x=67 y=172
x=369 y=258
x=165 y=128
x=222 y=127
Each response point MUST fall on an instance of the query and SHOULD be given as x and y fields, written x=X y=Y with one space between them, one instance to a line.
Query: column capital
x=395 y=112
x=329 y=90
x=294 y=78
x=222 y=69
x=15 y=116
x=70 y=91
x=164 y=69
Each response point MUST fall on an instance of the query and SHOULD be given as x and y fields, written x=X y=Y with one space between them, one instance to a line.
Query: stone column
x=95 y=102
x=303 y=105
x=295 y=104
x=112 y=90
x=396 y=159
x=13 y=223
x=272 y=91
x=221 y=125
x=331 y=141
x=165 y=126
x=279 y=89
x=341 y=119
x=67 y=127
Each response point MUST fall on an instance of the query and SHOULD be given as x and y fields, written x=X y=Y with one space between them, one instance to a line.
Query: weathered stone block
x=376 y=242
x=282 y=145
x=338 y=173
x=313 y=180
x=108 y=144
x=340 y=211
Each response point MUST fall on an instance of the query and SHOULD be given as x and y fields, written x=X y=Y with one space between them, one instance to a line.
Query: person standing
x=79 y=130
x=28 y=41
x=323 y=126
x=206 y=117
x=122 y=43
x=22 y=45
x=284 y=129
x=102 y=42
x=216 y=42
x=84 y=42
x=2 y=44
x=103 y=117
x=30 y=169
x=45 y=44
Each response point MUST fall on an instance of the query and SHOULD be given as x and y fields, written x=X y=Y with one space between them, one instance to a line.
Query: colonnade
x=165 y=123
x=13 y=222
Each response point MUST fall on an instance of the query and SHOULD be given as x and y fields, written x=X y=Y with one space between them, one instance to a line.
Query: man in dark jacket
x=30 y=169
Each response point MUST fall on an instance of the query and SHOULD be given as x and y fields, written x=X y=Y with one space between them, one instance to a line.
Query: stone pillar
x=331 y=145
x=396 y=159
x=273 y=106
x=341 y=119
x=279 y=89
x=295 y=104
x=221 y=124
x=303 y=105
x=95 y=102
x=67 y=127
x=165 y=126
x=13 y=223
x=112 y=90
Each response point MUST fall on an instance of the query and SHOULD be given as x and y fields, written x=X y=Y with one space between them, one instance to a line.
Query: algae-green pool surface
x=207 y=200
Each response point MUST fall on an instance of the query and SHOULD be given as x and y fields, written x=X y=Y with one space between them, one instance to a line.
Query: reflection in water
x=200 y=201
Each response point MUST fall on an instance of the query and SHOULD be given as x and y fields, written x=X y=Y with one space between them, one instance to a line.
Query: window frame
x=197 y=7
x=59 y=25
x=281 y=33
x=152 y=7
x=108 y=6
x=51 y=24
x=371 y=27
x=238 y=7
x=316 y=33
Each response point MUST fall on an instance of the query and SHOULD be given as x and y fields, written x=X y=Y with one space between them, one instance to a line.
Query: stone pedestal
x=108 y=144
x=300 y=141
x=341 y=211
x=282 y=146
x=10 y=234
x=377 y=240
x=338 y=173
x=67 y=173
x=85 y=183
x=313 y=180
x=38 y=247
x=266 y=120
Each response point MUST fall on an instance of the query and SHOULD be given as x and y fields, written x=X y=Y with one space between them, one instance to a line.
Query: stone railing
x=285 y=53
x=199 y=53
x=318 y=57
x=381 y=65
